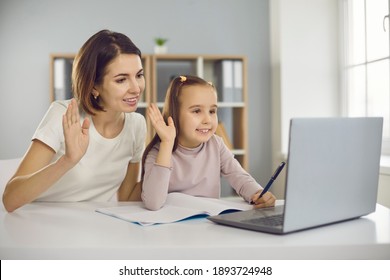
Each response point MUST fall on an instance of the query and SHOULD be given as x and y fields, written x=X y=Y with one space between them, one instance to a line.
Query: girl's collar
x=191 y=150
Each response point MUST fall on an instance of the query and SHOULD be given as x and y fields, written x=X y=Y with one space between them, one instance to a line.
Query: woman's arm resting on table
x=130 y=189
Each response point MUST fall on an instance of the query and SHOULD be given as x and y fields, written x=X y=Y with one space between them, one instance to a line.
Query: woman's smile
x=131 y=101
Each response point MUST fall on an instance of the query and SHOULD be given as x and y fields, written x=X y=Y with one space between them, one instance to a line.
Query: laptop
x=332 y=176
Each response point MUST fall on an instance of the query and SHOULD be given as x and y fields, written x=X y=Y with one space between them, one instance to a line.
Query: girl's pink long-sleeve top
x=195 y=172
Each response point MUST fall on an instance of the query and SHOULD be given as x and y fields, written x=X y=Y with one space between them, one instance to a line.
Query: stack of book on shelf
x=229 y=76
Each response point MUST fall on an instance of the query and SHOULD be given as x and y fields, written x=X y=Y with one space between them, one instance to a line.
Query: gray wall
x=32 y=29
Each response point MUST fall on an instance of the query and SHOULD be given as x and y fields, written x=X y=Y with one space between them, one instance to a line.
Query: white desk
x=76 y=231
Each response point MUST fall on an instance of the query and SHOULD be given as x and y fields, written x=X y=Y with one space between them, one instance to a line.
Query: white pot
x=160 y=49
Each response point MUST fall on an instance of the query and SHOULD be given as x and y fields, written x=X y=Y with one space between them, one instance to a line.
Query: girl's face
x=198 y=115
x=123 y=84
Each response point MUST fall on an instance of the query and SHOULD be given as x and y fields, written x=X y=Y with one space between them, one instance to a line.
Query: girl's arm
x=35 y=173
x=167 y=134
x=158 y=166
x=155 y=184
x=243 y=183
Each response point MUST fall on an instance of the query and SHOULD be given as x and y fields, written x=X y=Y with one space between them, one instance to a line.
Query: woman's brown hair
x=90 y=65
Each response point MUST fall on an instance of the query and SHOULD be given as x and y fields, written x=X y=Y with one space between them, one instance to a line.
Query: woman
x=90 y=147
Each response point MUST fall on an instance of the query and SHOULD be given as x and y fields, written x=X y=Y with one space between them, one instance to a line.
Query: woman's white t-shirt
x=101 y=171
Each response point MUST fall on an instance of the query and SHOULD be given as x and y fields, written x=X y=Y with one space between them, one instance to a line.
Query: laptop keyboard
x=276 y=220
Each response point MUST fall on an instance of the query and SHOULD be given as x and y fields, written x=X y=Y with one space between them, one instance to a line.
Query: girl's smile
x=203 y=131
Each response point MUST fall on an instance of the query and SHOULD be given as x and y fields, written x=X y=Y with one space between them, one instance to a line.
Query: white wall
x=305 y=69
x=305 y=47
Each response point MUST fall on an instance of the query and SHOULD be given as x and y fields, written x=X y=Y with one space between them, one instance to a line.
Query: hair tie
x=183 y=79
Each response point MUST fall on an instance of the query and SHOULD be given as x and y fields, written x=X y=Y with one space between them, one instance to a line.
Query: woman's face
x=123 y=83
x=198 y=115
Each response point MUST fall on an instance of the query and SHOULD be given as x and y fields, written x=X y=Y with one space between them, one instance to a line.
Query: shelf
x=143 y=105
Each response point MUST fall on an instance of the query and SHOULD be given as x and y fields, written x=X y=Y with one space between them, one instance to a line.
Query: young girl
x=185 y=155
x=90 y=147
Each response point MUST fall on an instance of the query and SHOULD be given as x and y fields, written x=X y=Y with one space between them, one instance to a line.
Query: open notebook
x=178 y=207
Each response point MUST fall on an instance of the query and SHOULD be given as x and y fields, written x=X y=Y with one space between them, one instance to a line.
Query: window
x=367 y=75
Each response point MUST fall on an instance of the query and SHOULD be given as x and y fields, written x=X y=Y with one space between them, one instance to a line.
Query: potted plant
x=160 y=46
